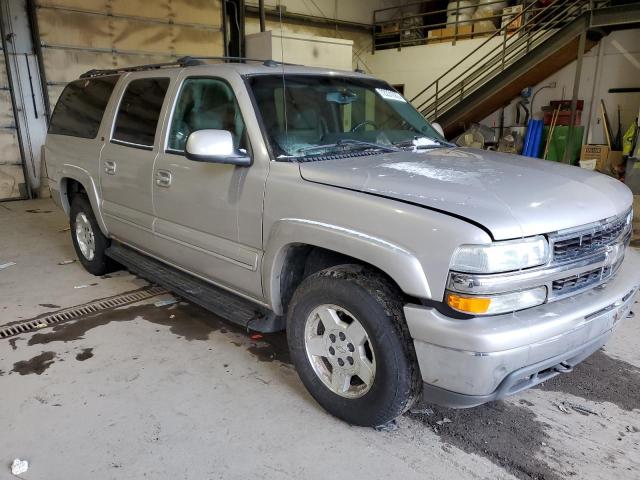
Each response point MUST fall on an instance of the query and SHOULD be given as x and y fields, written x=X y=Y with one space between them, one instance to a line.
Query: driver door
x=201 y=208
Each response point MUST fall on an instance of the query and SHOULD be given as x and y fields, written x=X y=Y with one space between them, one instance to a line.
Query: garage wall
x=78 y=35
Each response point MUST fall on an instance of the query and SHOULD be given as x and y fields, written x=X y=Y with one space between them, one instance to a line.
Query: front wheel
x=89 y=242
x=350 y=345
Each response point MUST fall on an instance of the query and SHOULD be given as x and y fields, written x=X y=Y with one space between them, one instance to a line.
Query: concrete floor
x=171 y=392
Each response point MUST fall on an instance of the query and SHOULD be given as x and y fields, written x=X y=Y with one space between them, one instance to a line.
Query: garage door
x=12 y=185
x=78 y=35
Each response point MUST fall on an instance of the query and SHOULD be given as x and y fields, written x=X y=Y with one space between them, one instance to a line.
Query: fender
x=397 y=262
x=82 y=176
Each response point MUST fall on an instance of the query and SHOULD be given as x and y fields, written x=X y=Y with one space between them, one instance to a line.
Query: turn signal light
x=468 y=304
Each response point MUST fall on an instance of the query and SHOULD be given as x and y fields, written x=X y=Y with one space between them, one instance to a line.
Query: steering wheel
x=362 y=124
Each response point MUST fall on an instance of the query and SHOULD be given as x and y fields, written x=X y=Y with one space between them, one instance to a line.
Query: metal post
x=23 y=156
x=263 y=19
x=574 y=98
x=225 y=34
x=37 y=48
x=435 y=114
x=455 y=34
x=504 y=47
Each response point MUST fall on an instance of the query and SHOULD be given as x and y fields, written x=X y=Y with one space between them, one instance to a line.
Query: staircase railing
x=508 y=44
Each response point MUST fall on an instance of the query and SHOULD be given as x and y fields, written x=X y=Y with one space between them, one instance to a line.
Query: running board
x=217 y=300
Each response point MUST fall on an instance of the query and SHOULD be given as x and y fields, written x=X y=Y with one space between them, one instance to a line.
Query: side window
x=205 y=103
x=81 y=106
x=139 y=111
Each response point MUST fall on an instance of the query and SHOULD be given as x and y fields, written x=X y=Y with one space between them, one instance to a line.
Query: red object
x=566 y=104
x=564 y=116
x=256 y=336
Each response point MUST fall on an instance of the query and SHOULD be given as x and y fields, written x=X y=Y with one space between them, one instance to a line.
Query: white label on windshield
x=390 y=95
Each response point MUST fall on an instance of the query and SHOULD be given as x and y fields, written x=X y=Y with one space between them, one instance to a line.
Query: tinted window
x=205 y=103
x=81 y=105
x=139 y=111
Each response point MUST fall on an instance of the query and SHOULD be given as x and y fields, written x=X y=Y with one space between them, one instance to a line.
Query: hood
x=510 y=195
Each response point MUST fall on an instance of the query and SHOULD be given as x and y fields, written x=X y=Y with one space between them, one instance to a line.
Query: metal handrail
x=505 y=55
x=497 y=33
x=515 y=44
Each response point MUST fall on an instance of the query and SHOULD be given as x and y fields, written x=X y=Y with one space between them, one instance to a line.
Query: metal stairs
x=495 y=72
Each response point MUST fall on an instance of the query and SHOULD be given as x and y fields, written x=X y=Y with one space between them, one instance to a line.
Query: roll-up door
x=79 y=35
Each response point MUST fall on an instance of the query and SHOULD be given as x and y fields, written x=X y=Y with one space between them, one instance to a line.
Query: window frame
x=174 y=104
x=114 y=90
x=139 y=146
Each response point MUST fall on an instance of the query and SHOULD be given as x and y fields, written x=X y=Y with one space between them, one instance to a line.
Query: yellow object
x=468 y=304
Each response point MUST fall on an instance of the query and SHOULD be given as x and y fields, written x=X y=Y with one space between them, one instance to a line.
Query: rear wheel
x=88 y=240
x=350 y=345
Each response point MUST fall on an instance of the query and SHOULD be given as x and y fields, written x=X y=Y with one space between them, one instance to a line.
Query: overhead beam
x=301 y=18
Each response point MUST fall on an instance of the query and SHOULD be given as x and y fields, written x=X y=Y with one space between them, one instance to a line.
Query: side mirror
x=215 y=146
x=438 y=128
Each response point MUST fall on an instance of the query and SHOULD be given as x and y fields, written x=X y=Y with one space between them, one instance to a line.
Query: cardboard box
x=483 y=28
x=390 y=28
x=606 y=160
x=508 y=14
x=434 y=36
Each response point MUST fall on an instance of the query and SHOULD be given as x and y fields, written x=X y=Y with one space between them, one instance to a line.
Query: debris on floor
x=6 y=265
x=566 y=407
x=443 y=421
x=164 y=303
x=421 y=411
x=391 y=426
x=65 y=229
x=18 y=467
x=66 y=262
x=256 y=336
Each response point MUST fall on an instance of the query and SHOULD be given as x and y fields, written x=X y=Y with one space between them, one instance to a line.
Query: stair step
x=217 y=300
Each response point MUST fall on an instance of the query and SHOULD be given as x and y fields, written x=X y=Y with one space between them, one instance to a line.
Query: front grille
x=582 y=280
x=586 y=242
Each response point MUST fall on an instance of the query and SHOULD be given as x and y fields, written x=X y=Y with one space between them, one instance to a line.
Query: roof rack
x=180 y=62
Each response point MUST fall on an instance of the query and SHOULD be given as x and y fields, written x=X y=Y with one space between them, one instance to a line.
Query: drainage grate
x=80 y=311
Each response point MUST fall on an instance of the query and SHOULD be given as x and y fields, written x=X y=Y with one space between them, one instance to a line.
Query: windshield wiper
x=347 y=142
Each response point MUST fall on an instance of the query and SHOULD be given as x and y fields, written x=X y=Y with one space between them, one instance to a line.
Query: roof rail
x=180 y=62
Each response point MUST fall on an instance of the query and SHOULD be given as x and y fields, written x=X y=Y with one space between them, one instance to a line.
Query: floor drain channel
x=80 y=311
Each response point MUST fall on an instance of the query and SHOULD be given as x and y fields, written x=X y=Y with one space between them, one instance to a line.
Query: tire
x=88 y=240
x=386 y=358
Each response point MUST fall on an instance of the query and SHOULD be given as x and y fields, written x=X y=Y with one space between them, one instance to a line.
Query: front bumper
x=469 y=362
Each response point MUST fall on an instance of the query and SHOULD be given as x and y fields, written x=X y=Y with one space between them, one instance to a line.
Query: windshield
x=316 y=115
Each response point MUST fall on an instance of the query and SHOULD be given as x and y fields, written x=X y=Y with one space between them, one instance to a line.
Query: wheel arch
x=75 y=180
x=298 y=248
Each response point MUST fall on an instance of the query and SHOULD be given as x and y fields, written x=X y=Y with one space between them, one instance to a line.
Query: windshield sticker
x=390 y=95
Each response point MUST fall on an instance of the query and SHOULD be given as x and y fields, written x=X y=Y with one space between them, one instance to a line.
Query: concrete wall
x=417 y=67
x=349 y=10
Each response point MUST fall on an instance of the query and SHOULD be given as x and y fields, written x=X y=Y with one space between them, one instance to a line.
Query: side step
x=217 y=300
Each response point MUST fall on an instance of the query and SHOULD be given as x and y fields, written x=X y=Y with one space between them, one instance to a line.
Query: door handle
x=110 y=167
x=163 y=178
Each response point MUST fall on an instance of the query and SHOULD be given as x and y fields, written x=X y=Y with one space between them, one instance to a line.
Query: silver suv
x=321 y=202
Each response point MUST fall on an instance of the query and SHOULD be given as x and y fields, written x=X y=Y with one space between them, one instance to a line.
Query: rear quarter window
x=81 y=106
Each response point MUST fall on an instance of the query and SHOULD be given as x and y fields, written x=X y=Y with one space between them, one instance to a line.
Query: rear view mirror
x=215 y=146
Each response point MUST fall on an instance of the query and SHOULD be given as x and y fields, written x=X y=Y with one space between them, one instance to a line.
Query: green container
x=559 y=142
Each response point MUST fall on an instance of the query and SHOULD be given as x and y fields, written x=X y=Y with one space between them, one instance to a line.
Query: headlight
x=501 y=256
x=495 y=304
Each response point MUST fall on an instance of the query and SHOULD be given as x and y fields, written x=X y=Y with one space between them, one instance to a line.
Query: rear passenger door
x=127 y=160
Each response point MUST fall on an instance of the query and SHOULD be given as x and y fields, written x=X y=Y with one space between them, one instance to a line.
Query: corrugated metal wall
x=78 y=35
